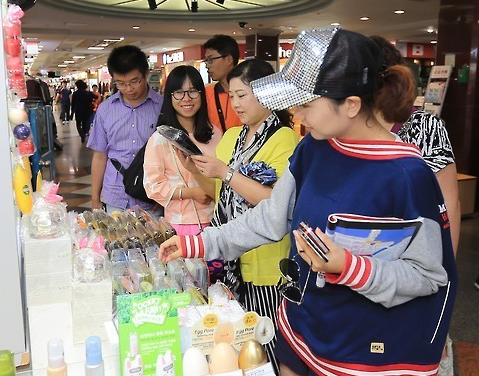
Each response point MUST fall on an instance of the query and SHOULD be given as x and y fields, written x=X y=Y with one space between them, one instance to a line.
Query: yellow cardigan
x=260 y=265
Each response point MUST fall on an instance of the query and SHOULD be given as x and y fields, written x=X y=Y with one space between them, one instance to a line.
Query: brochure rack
x=436 y=89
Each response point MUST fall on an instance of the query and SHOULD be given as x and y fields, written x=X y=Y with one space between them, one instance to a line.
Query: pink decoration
x=13 y=46
x=14 y=65
x=26 y=147
x=16 y=82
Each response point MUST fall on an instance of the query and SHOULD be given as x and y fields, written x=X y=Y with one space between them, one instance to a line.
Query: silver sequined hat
x=333 y=63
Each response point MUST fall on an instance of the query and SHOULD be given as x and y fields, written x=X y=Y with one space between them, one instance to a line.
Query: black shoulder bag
x=133 y=176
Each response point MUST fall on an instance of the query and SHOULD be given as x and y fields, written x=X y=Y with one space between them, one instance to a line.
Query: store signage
x=175 y=57
x=420 y=51
x=285 y=50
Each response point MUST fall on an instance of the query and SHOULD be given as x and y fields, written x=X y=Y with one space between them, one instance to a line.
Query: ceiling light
x=78 y=57
x=335 y=24
x=69 y=61
x=430 y=29
x=364 y=18
x=96 y=48
x=191 y=30
x=135 y=27
x=399 y=11
x=434 y=42
x=62 y=65
x=113 y=40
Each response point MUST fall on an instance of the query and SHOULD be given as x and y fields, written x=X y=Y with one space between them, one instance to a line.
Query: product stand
x=40 y=117
x=12 y=325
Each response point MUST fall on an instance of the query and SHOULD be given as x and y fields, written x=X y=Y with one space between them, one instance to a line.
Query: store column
x=458 y=44
x=264 y=47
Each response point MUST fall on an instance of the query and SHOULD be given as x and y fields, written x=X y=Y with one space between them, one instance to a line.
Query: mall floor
x=72 y=169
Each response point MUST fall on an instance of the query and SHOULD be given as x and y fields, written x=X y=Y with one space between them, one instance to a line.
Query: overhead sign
x=420 y=51
x=175 y=57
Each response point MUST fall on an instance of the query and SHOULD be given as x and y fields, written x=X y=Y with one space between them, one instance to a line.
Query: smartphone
x=310 y=237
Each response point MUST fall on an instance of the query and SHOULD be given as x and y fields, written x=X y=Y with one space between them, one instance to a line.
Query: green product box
x=149 y=333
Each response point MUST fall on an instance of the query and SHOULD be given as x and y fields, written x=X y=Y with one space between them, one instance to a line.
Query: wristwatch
x=228 y=176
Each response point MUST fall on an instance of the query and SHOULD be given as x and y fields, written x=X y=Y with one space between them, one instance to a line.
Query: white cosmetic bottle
x=56 y=360
x=133 y=363
x=94 y=360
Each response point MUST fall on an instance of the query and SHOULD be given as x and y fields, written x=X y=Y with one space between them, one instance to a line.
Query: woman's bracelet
x=180 y=193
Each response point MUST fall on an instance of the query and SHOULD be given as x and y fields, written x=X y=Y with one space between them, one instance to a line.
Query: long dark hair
x=202 y=128
x=250 y=70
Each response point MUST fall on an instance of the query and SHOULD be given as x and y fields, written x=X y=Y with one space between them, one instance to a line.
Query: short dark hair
x=124 y=59
x=392 y=56
x=80 y=84
x=94 y=85
x=176 y=78
x=253 y=69
x=225 y=45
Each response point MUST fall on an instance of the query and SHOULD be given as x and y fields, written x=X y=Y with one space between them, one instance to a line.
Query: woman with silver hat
x=374 y=316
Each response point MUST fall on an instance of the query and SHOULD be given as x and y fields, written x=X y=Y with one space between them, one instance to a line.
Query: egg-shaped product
x=21 y=131
x=223 y=358
x=26 y=147
x=17 y=116
x=195 y=363
x=224 y=332
x=252 y=355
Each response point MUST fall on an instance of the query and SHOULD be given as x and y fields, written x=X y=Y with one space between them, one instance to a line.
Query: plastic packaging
x=179 y=139
x=94 y=361
x=56 y=359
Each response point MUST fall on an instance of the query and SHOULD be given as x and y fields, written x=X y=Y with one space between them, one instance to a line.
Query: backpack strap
x=218 y=107
x=117 y=165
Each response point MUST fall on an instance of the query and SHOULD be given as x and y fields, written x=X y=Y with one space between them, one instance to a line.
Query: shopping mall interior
x=71 y=39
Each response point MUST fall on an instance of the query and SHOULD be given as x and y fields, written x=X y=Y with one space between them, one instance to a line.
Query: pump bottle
x=94 y=360
x=56 y=360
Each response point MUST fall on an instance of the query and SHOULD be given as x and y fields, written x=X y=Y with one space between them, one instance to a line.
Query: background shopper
x=221 y=56
x=82 y=108
x=187 y=207
x=123 y=124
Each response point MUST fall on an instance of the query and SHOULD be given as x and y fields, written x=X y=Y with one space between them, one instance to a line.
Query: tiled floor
x=73 y=171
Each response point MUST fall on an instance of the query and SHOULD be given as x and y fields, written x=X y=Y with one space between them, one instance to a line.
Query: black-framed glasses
x=133 y=83
x=210 y=60
x=180 y=94
x=291 y=289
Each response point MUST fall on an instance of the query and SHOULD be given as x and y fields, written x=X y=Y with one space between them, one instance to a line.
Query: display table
x=467 y=193
x=55 y=321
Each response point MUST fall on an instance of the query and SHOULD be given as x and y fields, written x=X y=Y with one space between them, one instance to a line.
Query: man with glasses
x=221 y=56
x=122 y=126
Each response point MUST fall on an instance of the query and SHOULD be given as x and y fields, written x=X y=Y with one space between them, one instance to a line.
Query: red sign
x=420 y=51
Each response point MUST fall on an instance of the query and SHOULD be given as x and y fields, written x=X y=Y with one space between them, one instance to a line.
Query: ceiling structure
x=67 y=29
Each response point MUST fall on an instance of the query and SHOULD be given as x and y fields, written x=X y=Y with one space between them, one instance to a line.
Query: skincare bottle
x=7 y=364
x=133 y=363
x=56 y=360
x=94 y=360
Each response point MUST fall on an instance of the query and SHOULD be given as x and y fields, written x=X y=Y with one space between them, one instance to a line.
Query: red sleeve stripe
x=192 y=246
x=356 y=272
